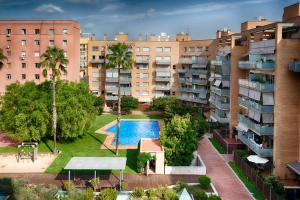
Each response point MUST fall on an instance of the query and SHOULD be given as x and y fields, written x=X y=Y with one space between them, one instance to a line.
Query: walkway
x=225 y=181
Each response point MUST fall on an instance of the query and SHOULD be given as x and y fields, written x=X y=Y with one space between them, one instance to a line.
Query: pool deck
x=108 y=143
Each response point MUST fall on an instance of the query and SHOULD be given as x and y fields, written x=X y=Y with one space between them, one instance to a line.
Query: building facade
x=23 y=42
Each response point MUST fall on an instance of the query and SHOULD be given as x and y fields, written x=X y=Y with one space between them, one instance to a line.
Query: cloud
x=113 y=6
x=151 y=12
x=49 y=8
x=83 y=1
x=89 y=25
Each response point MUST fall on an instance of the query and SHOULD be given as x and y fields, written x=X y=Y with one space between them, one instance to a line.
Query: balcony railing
x=194 y=99
x=185 y=61
x=294 y=66
x=125 y=71
x=220 y=119
x=246 y=65
x=198 y=71
x=163 y=79
x=162 y=87
x=97 y=60
x=219 y=104
x=111 y=79
x=182 y=70
x=262 y=47
x=220 y=62
x=142 y=60
x=260 y=129
x=256 y=106
x=265 y=65
x=199 y=81
x=260 y=151
x=111 y=98
x=220 y=91
x=163 y=62
x=263 y=87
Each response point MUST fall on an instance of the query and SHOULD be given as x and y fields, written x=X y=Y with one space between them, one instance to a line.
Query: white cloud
x=89 y=25
x=49 y=8
x=83 y=1
x=113 y=6
x=151 y=12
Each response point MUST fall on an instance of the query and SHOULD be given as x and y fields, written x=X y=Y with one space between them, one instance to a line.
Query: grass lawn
x=217 y=145
x=88 y=145
x=251 y=187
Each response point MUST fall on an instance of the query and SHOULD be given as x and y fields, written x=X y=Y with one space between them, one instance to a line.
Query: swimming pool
x=133 y=130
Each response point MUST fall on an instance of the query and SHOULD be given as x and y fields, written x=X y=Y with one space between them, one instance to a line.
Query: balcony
x=127 y=71
x=219 y=104
x=182 y=70
x=198 y=71
x=111 y=98
x=256 y=106
x=163 y=79
x=260 y=129
x=263 y=87
x=268 y=65
x=220 y=62
x=125 y=79
x=194 y=99
x=294 y=66
x=97 y=60
x=111 y=79
x=185 y=61
x=218 y=118
x=162 y=69
x=263 y=47
x=142 y=60
x=220 y=91
x=199 y=81
x=162 y=87
x=260 y=151
x=246 y=65
x=163 y=62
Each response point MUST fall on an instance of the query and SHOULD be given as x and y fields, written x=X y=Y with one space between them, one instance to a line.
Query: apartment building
x=156 y=69
x=84 y=39
x=23 y=42
x=265 y=91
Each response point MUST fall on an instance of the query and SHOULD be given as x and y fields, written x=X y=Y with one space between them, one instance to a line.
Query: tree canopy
x=128 y=103
x=26 y=110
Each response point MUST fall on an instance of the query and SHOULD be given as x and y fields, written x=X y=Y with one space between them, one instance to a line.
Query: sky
x=139 y=18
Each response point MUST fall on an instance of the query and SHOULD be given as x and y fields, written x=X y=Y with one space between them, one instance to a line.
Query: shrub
x=128 y=103
x=124 y=185
x=214 y=197
x=180 y=185
x=99 y=104
x=200 y=195
x=204 y=182
x=68 y=185
x=243 y=154
x=95 y=182
x=274 y=182
x=108 y=194
x=138 y=193
x=161 y=103
x=153 y=193
x=142 y=160
x=89 y=194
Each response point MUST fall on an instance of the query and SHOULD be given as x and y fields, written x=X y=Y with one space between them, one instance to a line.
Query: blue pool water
x=132 y=131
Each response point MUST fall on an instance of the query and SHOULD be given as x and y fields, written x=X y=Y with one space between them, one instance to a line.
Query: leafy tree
x=142 y=160
x=161 y=103
x=138 y=193
x=179 y=140
x=119 y=58
x=204 y=182
x=99 y=104
x=108 y=194
x=54 y=61
x=129 y=103
x=275 y=183
x=2 y=58
x=200 y=195
x=214 y=197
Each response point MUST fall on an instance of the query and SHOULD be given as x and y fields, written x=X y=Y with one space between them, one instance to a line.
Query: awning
x=256 y=159
x=96 y=163
x=213 y=118
x=211 y=79
x=217 y=83
x=242 y=127
x=295 y=166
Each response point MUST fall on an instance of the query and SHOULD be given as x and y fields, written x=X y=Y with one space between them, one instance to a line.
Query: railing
x=199 y=81
x=260 y=129
x=265 y=65
x=158 y=87
x=111 y=79
x=246 y=65
x=220 y=91
x=220 y=119
x=163 y=62
x=185 y=61
x=294 y=66
x=163 y=79
x=263 y=87
x=182 y=70
x=256 y=106
x=219 y=104
x=260 y=151
x=220 y=62
x=142 y=60
x=97 y=60
x=162 y=69
x=198 y=71
x=262 y=47
x=195 y=100
x=111 y=98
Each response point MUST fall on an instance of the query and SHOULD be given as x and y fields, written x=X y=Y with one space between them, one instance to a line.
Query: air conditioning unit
x=22 y=57
x=8 y=46
x=8 y=35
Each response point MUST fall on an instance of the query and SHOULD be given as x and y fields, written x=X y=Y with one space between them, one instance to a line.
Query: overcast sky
x=201 y=18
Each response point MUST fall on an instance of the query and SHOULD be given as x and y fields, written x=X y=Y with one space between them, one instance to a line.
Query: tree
x=179 y=140
x=2 y=58
x=119 y=58
x=129 y=103
x=99 y=104
x=54 y=60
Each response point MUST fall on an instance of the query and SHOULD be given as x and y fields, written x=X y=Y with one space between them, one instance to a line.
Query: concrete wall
x=160 y=163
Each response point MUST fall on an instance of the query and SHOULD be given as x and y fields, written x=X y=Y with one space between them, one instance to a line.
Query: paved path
x=225 y=181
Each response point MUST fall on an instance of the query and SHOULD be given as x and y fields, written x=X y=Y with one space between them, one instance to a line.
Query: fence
x=229 y=147
x=252 y=175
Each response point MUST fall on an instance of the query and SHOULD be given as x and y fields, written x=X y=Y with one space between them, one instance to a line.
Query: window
x=8 y=44
x=137 y=49
x=23 y=42
x=185 y=49
x=23 y=76
x=37 y=65
x=95 y=48
x=146 y=49
x=65 y=54
x=65 y=31
x=8 y=32
x=159 y=49
x=167 y=49
x=96 y=74
x=51 y=31
x=174 y=66
x=97 y=83
x=23 y=55
x=51 y=42
x=199 y=49
x=142 y=66
x=143 y=92
x=23 y=65
x=191 y=49
x=23 y=31
x=8 y=76
x=37 y=31
x=141 y=84
x=37 y=42
x=65 y=42
x=37 y=77
x=8 y=53
x=142 y=75
x=36 y=54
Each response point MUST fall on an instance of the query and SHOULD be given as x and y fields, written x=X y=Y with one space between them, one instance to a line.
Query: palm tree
x=2 y=58
x=54 y=61
x=119 y=58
